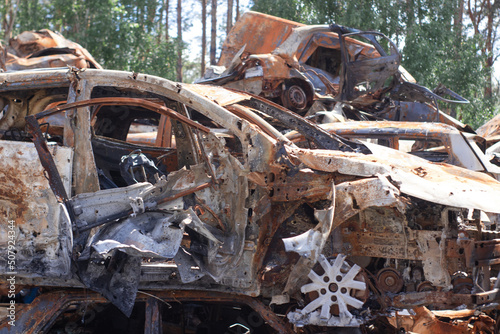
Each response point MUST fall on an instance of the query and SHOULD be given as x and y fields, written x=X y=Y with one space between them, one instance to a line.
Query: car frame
x=240 y=210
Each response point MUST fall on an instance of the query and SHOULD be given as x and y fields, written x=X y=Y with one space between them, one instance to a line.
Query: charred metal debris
x=134 y=197
x=43 y=49
x=325 y=73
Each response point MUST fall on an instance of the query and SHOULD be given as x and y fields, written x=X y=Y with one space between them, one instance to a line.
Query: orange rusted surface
x=260 y=33
x=44 y=48
x=241 y=215
x=308 y=68
x=214 y=93
x=142 y=138
x=23 y=184
x=424 y=321
x=490 y=130
x=274 y=67
x=26 y=199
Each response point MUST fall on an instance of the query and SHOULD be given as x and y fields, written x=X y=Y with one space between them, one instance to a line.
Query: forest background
x=453 y=42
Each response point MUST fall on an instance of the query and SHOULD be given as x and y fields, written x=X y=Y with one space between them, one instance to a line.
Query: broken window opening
x=430 y=149
x=326 y=59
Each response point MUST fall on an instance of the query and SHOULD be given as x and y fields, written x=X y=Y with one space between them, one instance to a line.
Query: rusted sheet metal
x=441 y=299
x=311 y=36
x=34 y=79
x=436 y=142
x=41 y=224
x=260 y=33
x=152 y=324
x=43 y=49
x=220 y=96
x=322 y=138
x=415 y=176
x=391 y=245
x=400 y=128
x=490 y=130
x=41 y=313
x=486 y=253
x=424 y=321
x=354 y=196
x=78 y=134
x=244 y=211
x=490 y=296
x=315 y=70
x=270 y=222
x=251 y=117
x=302 y=186
x=274 y=68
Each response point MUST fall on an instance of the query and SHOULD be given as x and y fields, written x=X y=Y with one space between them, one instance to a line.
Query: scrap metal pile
x=42 y=49
x=142 y=205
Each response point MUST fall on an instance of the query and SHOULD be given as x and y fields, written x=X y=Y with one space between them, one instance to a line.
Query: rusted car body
x=490 y=130
x=222 y=205
x=43 y=49
x=435 y=142
x=311 y=69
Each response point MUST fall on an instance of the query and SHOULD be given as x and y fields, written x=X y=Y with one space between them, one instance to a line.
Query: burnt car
x=322 y=67
x=222 y=208
x=436 y=142
x=42 y=49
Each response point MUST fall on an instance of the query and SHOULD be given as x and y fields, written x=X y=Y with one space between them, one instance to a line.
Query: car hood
x=439 y=183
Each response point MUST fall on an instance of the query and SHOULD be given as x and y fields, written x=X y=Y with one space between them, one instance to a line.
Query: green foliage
x=287 y=9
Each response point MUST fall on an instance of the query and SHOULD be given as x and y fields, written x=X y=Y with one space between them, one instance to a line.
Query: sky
x=193 y=35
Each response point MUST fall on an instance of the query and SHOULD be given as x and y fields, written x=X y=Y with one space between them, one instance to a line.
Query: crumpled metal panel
x=355 y=196
x=111 y=264
x=260 y=33
x=43 y=49
x=490 y=130
x=42 y=228
x=148 y=235
x=413 y=176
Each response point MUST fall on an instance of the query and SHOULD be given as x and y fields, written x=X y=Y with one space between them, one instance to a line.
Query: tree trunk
x=9 y=18
x=167 y=4
x=237 y=10
x=458 y=20
x=479 y=12
x=203 y=34
x=179 y=40
x=229 y=24
x=213 y=36
x=410 y=23
x=160 y=25
x=490 y=13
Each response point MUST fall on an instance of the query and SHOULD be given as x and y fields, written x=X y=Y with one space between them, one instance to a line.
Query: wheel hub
x=336 y=288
